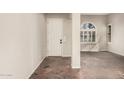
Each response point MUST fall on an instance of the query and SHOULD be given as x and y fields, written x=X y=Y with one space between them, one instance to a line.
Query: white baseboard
x=76 y=67
x=89 y=51
x=116 y=52
x=36 y=67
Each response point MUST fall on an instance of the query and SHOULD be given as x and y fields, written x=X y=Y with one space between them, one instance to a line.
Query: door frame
x=61 y=35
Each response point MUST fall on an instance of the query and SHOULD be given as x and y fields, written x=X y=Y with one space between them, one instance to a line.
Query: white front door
x=54 y=39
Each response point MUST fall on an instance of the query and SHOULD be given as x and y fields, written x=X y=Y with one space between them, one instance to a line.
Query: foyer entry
x=55 y=36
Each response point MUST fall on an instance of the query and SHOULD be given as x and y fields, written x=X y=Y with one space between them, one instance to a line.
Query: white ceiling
x=95 y=13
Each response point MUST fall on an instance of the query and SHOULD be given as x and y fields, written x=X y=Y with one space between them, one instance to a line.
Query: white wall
x=67 y=26
x=67 y=44
x=39 y=43
x=117 y=40
x=22 y=44
x=100 y=22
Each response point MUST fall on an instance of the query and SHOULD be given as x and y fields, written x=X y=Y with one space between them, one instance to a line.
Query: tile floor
x=94 y=65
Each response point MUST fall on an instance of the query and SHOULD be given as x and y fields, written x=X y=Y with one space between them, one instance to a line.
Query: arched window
x=88 y=33
x=87 y=26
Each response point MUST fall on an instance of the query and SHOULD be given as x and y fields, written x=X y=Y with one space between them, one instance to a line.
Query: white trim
x=75 y=40
x=90 y=51
x=36 y=67
x=116 y=52
x=76 y=67
x=88 y=43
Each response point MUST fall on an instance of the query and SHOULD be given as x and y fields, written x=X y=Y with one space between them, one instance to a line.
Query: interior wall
x=39 y=35
x=67 y=45
x=117 y=34
x=100 y=22
x=67 y=26
x=23 y=43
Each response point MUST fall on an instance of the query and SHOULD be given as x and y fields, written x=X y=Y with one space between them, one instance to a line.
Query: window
x=109 y=33
x=88 y=33
x=87 y=26
x=93 y=36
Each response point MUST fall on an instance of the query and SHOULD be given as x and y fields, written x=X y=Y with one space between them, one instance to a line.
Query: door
x=54 y=39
